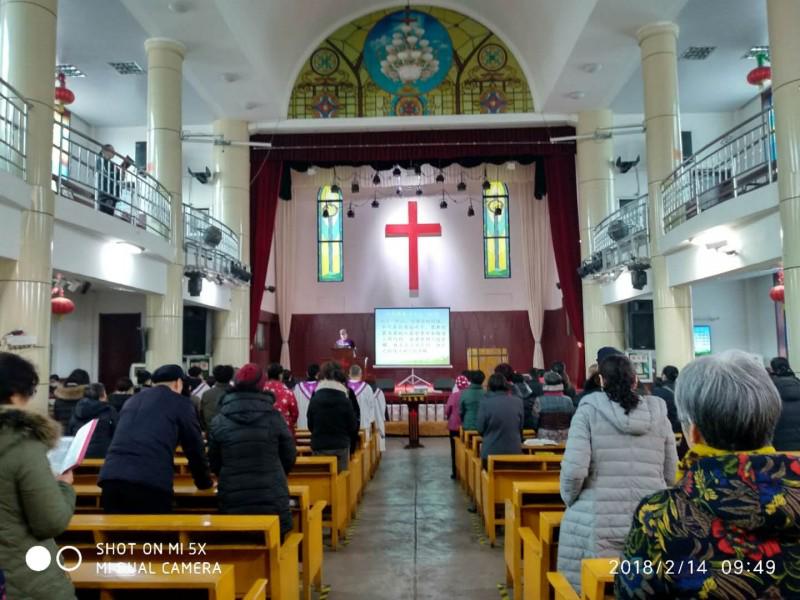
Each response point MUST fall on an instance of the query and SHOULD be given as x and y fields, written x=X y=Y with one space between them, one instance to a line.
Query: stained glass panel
x=330 y=235
x=496 y=235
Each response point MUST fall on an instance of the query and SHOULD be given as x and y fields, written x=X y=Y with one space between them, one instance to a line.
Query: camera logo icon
x=38 y=558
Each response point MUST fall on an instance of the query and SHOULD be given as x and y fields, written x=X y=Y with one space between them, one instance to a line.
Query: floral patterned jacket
x=730 y=529
x=285 y=403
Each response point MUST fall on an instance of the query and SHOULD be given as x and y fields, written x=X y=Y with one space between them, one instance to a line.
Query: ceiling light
x=375 y=203
x=325 y=213
x=376 y=179
x=443 y=203
x=354 y=187
x=397 y=172
x=179 y=7
x=440 y=177
x=486 y=185
x=697 y=52
x=419 y=191
x=576 y=95
x=251 y=105
x=335 y=189
x=129 y=248
x=461 y=187
x=230 y=77
x=592 y=67
x=69 y=70
x=127 y=68
x=350 y=212
x=470 y=210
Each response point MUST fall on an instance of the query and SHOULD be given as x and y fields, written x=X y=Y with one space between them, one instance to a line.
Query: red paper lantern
x=64 y=95
x=60 y=305
x=761 y=73
x=776 y=293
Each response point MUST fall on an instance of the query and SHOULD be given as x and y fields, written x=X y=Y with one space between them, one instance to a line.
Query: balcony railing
x=622 y=238
x=13 y=128
x=108 y=182
x=211 y=247
x=739 y=161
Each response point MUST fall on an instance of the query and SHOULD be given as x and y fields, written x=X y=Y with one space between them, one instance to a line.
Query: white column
x=784 y=44
x=672 y=306
x=164 y=160
x=232 y=207
x=602 y=324
x=28 y=46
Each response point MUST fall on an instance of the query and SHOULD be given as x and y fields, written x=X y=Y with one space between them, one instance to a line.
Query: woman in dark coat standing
x=67 y=395
x=94 y=405
x=251 y=450
x=331 y=417
x=787 y=432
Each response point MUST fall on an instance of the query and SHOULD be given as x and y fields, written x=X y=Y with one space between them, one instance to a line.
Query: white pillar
x=784 y=44
x=602 y=324
x=672 y=306
x=232 y=207
x=164 y=81
x=28 y=46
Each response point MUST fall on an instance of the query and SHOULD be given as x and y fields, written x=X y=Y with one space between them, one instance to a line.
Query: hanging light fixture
x=409 y=55
x=496 y=207
x=440 y=177
x=376 y=179
x=350 y=212
x=334 y=185
x=470 y=210
x=462 y=187
x=325 y=212
x=485 y=185
x=375 y=203
x=417 y=169
x=443 y=203
x=396 y=171
x=419 y=191
x=399 y=191
x=354 y=187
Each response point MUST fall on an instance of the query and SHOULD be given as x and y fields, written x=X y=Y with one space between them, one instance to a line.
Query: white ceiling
x=717 y=84
x=243 y=55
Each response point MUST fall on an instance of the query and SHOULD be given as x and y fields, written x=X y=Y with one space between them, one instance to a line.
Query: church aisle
x=413 y=538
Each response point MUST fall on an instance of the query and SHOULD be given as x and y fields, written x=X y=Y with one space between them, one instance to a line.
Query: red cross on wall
x=413 y=231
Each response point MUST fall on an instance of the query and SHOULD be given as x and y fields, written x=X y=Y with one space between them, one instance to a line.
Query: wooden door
x=119 y=346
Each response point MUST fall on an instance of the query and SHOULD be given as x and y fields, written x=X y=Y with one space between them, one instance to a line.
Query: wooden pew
x=306 y=520
x=89 y=469
x=100 y=576
x=554 y=449
x=325 y=483
x=498 y=480
x=597 y=583
x=251 y=543
x=540 y=555
x=459 y=456
x=475 y=468
x=258 y=591
x=528 y=500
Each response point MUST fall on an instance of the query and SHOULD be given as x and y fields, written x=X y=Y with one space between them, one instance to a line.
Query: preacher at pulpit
x=344 y=341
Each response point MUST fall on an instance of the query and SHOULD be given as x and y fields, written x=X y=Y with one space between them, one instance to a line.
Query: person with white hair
x=730 y=527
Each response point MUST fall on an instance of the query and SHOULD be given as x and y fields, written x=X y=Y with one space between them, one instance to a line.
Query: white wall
x=740 y=314
x=376 y=268
x=75 y=337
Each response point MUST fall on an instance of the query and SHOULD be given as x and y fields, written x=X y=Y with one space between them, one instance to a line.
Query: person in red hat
x=251 y=450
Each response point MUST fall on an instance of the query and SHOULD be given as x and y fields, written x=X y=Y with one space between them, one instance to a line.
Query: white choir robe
x=303 y=392
x=380 y=418
x=366 y=404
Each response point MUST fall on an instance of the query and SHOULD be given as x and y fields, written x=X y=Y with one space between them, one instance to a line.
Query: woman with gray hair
x=730 y=528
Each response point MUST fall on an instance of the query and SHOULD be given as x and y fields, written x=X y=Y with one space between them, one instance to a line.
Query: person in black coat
x=252 y=451
x=787 y=432
x=137 y=474
x=122 y=393
x=331 y=419
x=94 y=405
x=666 y=391
x=67 y=394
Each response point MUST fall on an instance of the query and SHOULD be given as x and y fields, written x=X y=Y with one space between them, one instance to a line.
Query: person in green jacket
x=471 y=398
x=35 y=506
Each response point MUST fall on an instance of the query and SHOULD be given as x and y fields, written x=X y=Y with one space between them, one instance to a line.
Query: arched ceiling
x=243 y=55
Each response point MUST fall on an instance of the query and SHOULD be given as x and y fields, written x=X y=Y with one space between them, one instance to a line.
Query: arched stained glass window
x=330 y=235
x=496 y=235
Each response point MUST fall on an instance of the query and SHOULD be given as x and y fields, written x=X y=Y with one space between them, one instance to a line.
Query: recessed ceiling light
x=576 y=95
x=130 y=67
x=251 y=105
x=69 y=70
x=230 y=77
x=697 y=52
x=179 y=6
x=592 y=67
x=754 y=51
x=129 y=248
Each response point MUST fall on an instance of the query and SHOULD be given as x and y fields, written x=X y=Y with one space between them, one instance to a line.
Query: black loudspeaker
x=686 y=143
x=195 y=330
x=141 y=156
x=641 y=334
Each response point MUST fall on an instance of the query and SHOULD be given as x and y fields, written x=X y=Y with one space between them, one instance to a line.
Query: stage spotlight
x=376 y=179
x=335 y=189
x=239 y=272
x=396 y=171
x=350 y=212
x=354 y=187
x=498 y=211
x=212 y=236
x=443 y=203
x=325 y=212
x=617 y=230
x=195 y=283
x=638 y=279
x=470 y=211
x=461 y=187
x=375 y=203
x=399 y=191
x=440 y=177
x=417 y=169
x=596 y=263
x=419 y=191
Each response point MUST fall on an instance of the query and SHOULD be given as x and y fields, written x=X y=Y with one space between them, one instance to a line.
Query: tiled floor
x=413 y=537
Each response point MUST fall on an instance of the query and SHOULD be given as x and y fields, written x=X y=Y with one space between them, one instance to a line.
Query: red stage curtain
x=266 y=181
x=562 y=198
